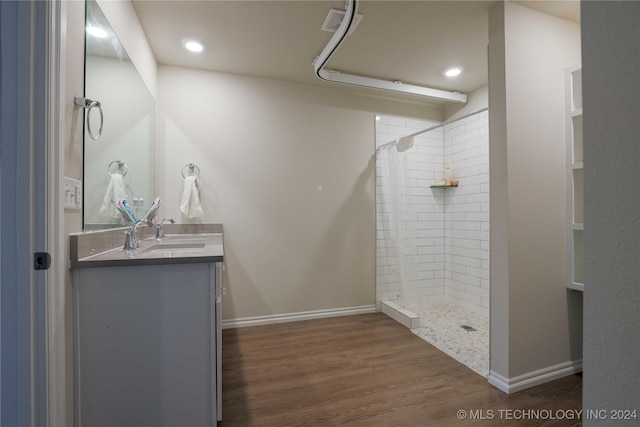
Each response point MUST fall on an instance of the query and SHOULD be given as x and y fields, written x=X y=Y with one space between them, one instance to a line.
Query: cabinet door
x=144 y=346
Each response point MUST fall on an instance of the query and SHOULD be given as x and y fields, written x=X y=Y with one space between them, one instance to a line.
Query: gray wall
x=535 y=323
x=611 y=99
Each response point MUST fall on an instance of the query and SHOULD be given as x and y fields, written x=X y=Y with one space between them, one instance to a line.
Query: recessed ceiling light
x=97 y=32
x=193 y=45
x=452 y=72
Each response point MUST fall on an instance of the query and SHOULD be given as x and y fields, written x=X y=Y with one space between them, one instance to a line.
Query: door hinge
x=41 y=261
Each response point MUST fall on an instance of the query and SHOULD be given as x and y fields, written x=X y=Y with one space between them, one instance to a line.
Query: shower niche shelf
x=575 y=180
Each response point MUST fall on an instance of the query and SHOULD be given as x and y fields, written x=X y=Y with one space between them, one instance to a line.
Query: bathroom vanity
x=147 y=331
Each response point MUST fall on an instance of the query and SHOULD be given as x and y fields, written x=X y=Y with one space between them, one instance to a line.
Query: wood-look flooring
x=367 y=370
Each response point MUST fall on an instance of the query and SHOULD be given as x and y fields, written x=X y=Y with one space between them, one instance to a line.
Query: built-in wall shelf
x=576 y=286
x=443 y=186
x=575 y=180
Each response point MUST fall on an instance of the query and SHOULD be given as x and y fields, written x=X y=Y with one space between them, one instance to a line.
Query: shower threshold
x=401 y=315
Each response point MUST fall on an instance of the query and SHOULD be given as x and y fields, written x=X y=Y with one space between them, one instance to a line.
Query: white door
x=29 y=204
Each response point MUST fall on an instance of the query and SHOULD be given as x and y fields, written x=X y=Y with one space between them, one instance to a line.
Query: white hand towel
x=190 y=204
x=116 y=191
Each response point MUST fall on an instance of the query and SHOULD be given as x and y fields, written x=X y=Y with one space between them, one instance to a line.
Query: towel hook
x=81 y=102
x=121 y=166
x=192 y=167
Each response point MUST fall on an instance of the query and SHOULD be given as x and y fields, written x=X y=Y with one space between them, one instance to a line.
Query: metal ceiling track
x=355 y=80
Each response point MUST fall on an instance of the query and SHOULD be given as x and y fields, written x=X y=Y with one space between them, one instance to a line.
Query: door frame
x=56 y=333
x=32 y=334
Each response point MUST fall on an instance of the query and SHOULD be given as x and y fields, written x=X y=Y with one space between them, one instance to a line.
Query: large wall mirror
x=122 y=160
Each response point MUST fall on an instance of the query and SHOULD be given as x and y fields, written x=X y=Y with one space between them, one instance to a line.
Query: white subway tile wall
x=466 y=246
x=447 y=230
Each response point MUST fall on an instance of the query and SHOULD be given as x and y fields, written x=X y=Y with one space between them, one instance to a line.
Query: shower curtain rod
x=356 y=80
x=420 y=132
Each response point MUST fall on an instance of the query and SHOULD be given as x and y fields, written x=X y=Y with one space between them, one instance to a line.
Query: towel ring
x=121 y=166
x=192 y=167
x=87 y=103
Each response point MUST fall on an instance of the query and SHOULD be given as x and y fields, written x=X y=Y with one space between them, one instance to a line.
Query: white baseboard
x=534 y=378
x=294 y=317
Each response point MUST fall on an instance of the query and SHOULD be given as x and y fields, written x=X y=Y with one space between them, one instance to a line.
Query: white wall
x=476 y=101
x=535 y=322
x=611 y=94
x=289 y=171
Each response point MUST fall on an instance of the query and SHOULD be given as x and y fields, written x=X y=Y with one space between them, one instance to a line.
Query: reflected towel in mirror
x=116 y=191
x=190 y=203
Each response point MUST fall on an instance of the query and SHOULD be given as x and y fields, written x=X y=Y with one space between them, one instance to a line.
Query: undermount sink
x=181 y=238
x=172 y=248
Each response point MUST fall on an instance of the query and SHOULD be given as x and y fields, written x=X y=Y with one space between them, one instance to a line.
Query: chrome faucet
x=160 y=230
x=131 y=241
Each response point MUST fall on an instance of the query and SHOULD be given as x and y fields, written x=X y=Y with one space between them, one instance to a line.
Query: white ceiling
x=410 y=41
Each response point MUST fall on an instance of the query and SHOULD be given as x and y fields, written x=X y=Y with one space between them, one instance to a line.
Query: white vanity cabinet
x=148 y=345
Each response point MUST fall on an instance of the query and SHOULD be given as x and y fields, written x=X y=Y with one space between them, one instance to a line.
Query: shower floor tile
x=441 y=326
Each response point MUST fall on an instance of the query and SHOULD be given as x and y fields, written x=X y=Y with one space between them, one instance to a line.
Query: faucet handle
x=129 y=242
x=160 y=230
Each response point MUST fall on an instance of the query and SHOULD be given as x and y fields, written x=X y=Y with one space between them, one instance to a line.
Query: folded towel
x=115 y=191
x=190 y=204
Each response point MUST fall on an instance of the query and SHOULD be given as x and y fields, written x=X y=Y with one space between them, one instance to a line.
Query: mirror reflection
x=121 y=163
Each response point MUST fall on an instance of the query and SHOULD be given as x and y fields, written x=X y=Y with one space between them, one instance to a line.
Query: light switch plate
x=72 y=193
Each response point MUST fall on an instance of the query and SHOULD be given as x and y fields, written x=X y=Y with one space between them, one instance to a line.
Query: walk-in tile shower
x=432 y=236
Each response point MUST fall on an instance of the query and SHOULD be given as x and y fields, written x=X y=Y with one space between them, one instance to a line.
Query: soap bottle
x=448 y=175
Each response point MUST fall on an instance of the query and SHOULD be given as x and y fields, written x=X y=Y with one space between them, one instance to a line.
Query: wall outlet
x=72 y=193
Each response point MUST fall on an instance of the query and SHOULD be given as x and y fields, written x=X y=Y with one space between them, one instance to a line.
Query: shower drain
x=468 y=328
